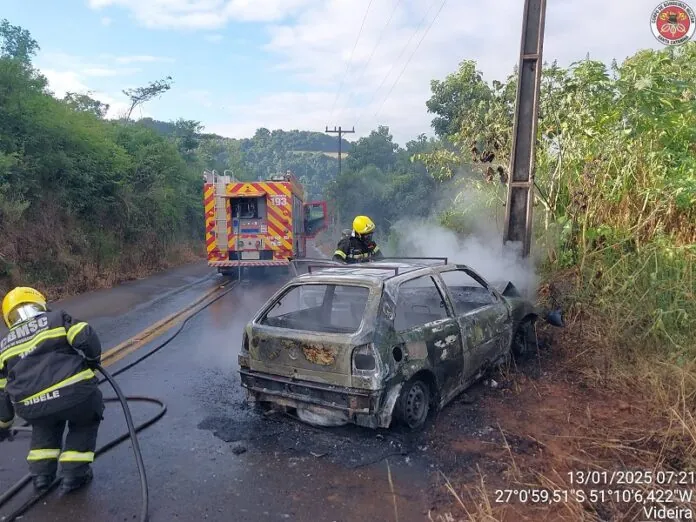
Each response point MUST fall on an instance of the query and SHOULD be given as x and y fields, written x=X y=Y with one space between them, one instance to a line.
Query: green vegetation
x=83 y=200
x=380 y=180
x=615 y=179
x=616 y=183
x=312 y=156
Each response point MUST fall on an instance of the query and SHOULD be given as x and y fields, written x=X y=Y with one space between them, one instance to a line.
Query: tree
x=140 y=95
x=377 y=149
x=458 y=95
x=17 y=43
x=85 y=103
x=187 y=133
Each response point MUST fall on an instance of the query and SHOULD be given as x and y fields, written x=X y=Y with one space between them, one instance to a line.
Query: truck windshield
x=325 y=308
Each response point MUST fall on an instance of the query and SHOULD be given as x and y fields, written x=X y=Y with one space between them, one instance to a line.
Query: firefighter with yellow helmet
x=47 y=378
x=359 y=246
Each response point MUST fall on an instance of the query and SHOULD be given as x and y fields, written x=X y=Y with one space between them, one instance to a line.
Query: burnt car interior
x=467 y=293
x=419 y=302
x=323 y=308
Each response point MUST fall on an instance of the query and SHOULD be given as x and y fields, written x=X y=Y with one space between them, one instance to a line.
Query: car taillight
x=365 y=360
x=243 y=355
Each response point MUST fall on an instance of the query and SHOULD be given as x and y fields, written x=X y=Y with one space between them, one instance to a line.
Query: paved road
x=210 y=458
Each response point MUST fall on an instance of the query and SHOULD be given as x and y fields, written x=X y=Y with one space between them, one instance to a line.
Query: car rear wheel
x=414 y=404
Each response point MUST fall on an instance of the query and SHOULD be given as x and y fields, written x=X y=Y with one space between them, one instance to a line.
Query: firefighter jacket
x=352 y=249
x=44 y=366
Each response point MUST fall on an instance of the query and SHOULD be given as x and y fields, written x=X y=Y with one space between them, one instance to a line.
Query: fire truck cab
x=258 y=224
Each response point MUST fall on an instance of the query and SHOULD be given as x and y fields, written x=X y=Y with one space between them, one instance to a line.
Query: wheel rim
x=416 y=405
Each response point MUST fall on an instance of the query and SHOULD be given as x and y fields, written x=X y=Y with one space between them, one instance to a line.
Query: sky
x=238 y=65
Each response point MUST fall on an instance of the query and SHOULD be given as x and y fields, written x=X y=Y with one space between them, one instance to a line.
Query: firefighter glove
x=92 y=363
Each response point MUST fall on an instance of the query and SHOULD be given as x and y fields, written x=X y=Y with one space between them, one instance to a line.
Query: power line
x=381 y=36
x=350 y=59
x=412 y=55
x=403 y=50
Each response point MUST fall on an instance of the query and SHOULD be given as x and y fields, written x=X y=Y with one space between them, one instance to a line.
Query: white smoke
x=481 y=247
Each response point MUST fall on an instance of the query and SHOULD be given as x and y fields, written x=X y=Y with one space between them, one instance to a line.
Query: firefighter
x=47 y=378
x=358 y=247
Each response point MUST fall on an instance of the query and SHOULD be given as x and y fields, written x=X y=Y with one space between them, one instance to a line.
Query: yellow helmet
x=22 y=295
x=363 y=225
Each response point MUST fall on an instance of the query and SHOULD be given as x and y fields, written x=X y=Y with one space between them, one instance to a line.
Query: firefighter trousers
x=82 y=421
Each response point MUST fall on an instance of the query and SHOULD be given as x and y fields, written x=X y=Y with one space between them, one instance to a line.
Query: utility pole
x=520 y=198
x=340 y=133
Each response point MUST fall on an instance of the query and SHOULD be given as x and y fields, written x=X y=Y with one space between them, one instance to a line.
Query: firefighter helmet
x=22 y=303
x=363 y=225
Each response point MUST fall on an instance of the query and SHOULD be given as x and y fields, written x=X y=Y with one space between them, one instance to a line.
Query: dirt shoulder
x=515 y=452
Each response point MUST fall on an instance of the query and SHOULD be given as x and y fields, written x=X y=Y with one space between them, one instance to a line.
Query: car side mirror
x=555 y=318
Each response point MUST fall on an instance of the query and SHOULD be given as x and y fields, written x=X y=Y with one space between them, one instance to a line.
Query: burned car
x=369 y=343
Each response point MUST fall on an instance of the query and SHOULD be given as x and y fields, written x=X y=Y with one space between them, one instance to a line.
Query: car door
x=427 y=328
x=481 y=313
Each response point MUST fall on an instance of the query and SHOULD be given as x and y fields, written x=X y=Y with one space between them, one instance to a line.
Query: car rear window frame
x=263 y=317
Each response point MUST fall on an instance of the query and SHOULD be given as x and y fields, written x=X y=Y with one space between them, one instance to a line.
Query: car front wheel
x=414 y=404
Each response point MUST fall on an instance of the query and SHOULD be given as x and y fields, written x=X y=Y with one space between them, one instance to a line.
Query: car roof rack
x=365 y=266
x=443 y=259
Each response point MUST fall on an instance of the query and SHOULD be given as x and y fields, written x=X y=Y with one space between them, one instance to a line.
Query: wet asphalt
x=210 y=457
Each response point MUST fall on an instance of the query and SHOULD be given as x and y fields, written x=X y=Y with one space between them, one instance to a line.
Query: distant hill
x=311 y=155
x=288 y=141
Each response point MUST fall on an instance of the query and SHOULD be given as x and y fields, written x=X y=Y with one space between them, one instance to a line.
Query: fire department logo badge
x=673 y=22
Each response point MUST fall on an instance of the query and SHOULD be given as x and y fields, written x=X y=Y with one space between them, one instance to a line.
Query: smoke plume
x=480 y=247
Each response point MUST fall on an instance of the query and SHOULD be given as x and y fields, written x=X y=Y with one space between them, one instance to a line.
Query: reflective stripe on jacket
x=43 y=367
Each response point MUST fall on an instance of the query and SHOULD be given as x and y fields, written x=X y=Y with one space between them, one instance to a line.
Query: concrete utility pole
x=340 y=133
x=520 y=199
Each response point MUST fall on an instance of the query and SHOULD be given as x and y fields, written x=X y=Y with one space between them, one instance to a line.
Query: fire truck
x=258 y=224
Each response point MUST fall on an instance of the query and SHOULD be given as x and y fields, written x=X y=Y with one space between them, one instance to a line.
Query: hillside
x=312 y=156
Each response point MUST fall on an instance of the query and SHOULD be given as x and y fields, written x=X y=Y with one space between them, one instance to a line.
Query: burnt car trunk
x=297 y=355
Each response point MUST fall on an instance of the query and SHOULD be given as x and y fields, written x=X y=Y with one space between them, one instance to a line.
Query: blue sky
x=238 y=65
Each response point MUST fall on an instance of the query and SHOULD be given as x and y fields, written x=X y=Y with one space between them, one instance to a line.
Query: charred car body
x=366 y=343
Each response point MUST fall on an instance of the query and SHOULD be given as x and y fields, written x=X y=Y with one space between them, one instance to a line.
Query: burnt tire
x=414 y=404
x=522 y=342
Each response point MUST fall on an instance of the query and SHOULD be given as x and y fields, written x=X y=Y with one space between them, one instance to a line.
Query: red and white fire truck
x=258 y=224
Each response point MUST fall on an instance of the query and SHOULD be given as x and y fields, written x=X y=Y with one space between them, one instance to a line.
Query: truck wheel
x=414 y=404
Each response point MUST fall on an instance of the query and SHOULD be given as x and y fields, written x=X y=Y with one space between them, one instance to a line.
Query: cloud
x=62 y=82
x=69 y=73
x=105 y=72
x=286 y=111
x=317 y=49
x=385 y=78
x=143 y=59
x=203 y=14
